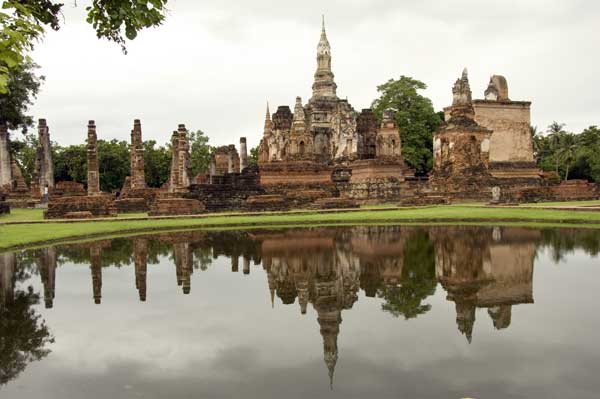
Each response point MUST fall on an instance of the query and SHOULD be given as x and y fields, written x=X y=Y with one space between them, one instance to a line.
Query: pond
x=345 y=312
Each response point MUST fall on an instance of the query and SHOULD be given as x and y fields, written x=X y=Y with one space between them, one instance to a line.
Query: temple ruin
x=43 y=176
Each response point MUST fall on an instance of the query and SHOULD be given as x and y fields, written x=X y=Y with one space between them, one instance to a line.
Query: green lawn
x=29 y=234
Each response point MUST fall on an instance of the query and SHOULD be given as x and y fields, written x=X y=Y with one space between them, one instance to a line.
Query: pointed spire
x=465 y=74
x=268 y=116
x=268 y=124
x=323 y=48
x=298 y=110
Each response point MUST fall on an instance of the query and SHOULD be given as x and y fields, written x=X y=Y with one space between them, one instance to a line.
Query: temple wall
x=510 y=122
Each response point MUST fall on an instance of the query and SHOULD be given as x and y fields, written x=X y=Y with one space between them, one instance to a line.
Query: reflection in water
x=23 y=335
x=478 y=267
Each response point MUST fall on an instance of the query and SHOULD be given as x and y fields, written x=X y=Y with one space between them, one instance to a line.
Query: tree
x=415 y=117
x=157 y=163
x=114 y=162
x=70 y=163
x=555 y=132
x=24 y=335
x=24 y=22
x=417 y=281
x=23 y=87
x=25 y=152
x=253 y=158
x=567 y=151
x=199 y=152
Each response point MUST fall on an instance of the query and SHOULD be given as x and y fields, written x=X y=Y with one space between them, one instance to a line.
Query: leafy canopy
x=415 y=117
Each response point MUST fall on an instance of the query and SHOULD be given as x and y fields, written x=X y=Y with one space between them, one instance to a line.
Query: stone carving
x=496 y=194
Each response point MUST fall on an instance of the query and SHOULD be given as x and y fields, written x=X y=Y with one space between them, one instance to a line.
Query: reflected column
x=47 y=267
x=7 y=278
x=96 y=268
x=140 y=256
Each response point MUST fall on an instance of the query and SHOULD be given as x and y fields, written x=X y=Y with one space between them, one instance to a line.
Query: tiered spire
x=268 y=123
x=462 y=90
x=324 y=86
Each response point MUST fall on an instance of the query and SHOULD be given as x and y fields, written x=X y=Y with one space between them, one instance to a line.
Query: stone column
x=243 y=154
x=184 y=158
x=93 y=175
x=230 y=162
x=138 y=177
x=5 y=164
x=174 y=177
x=212 y=169
x=46 y=164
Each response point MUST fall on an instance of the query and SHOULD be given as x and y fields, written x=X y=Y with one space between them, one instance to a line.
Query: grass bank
x=20 y=235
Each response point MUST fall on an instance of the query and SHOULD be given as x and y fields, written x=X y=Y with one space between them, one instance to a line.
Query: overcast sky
x=213 y=65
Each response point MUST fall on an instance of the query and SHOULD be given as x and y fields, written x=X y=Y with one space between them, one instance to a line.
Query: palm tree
x=555 y=133
x=567 y=151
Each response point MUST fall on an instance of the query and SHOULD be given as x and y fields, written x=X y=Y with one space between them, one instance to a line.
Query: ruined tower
x=43 y=175
x=5 y=161
x=138 y=177
x=180 y=177
x=461 y=146
x=93 y=175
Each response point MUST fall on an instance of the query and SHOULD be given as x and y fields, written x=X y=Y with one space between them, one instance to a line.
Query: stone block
x=176 y=206
x=97 y=206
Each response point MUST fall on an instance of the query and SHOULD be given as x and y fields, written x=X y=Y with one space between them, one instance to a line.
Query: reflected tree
x=23 y=335
x=417 y=281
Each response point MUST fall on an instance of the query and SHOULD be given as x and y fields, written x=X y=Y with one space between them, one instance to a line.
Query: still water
x=355 y=312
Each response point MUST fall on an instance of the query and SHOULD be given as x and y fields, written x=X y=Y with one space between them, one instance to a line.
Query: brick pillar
x=174 y=177
x=243 y=154
x=46 y=164
x=93 y=175
x=138 y=177
x=185 y=178
x=5 y=164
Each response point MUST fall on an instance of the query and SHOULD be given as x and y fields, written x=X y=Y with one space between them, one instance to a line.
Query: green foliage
x=23 y=86
x=114 y=18
x=24 y=150
x=157 y=163
x=569 y=155
x=415 y=117
x=199 y=152
x=24 y=335
x=70 y=163
x=253 y=158
x=114 y=164
x=24 y=21
x=417 y=282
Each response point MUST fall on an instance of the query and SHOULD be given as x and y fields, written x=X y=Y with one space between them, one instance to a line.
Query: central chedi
x=314 y=135
x=324 y=148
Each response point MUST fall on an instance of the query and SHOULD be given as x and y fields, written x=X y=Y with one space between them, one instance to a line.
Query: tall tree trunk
x=567 y=173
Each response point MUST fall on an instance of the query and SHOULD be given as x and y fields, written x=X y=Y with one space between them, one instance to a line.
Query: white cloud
x=213 y=65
